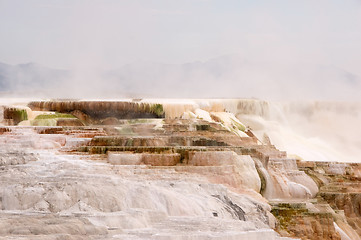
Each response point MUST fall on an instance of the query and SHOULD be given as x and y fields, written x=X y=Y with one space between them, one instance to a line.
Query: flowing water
x=312 y=131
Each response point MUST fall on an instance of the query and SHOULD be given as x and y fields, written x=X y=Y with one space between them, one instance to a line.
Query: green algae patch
x=17 y=115
x=157 y=109
x=22 y=114
x=57 y=119
x=53 y=116
x=238 y=125
x=44 y=122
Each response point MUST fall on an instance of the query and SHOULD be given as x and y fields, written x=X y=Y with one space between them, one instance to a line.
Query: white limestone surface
x=57 y=195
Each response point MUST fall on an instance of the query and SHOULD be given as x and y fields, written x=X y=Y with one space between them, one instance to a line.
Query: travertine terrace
x=156 y=169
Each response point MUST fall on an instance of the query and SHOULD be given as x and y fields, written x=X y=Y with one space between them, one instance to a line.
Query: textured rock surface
x=244 y=174
x=101 y=109
x=206 y=176
x=304 y=220
x=285 y=181
x=52 y=194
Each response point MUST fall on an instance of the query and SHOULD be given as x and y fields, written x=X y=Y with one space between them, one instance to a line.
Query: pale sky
x=110 y=33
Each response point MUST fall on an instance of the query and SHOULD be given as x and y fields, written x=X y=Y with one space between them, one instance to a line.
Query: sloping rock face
x=340 y=188
x=286 y=181
x=298 y=220
x=244 y=172
x=203 y=176
x=162 y=180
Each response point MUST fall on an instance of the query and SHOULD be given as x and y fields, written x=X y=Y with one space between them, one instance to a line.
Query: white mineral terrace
x=47 y=195
x=50 y=189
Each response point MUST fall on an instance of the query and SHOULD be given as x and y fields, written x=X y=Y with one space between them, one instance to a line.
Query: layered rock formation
x=197 y=174
x=102 y=109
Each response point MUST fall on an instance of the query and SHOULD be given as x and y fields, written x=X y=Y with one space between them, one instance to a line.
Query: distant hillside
x=30 y=77
x=223 y=77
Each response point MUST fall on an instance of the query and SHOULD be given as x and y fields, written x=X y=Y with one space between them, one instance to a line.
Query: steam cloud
x=199 y=49
x=280 y=50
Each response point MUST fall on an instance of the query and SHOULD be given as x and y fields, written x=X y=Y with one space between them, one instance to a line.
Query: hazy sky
x=110 y=33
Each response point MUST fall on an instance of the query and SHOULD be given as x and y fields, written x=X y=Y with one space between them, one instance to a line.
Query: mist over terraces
x=180 y=120
x=228 y=76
